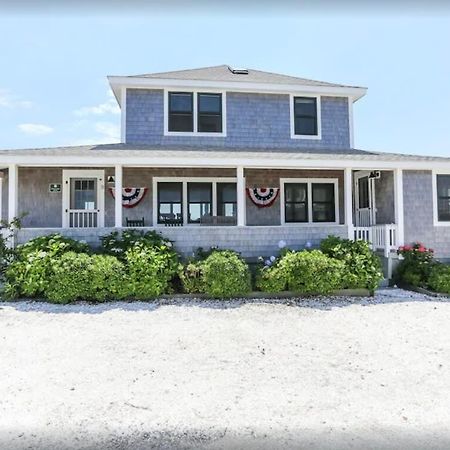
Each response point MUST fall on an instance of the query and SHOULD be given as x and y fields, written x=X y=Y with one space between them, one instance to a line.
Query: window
x=181 y=114
x=310 y=200
x=83 y=193
x=323 y=206
x=305 y=116
x=199 y=201
x=443 y=198
x=170 y=197
x=210 y=113
x=195 y=113
x=296 y=202
x=226 y=199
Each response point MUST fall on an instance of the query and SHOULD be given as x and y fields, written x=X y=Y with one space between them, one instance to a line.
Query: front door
x=364 y=200
x=83 y=198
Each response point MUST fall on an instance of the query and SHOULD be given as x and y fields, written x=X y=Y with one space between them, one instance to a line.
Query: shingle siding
x=418 y=206
x=253 y=121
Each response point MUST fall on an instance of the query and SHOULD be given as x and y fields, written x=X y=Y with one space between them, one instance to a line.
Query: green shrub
x=362 y=266
x=271 y=279
x=78 y=276
x=225 y=274
x=416 y=266
x=117 y=244
x=55 y=244
x=439 y=280
x=311 y=272
x=191 y=276
x=150 y=270
x=29 y=275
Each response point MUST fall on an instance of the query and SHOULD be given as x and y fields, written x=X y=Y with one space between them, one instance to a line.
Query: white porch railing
x=381 y=237
x=83 y=218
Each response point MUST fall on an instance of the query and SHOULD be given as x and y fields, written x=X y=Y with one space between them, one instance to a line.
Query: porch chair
x=135 y=222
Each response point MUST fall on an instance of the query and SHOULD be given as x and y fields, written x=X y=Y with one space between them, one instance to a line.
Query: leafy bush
x=416 y=266
x=191 y=276
x=150 y=270
x=29 y=275
x=7 y=252
x=271 y=279
x=362 y=266
x=117 y=244
x=311 y=272
x=225 y=274
x=439 y=280
x=80 y=276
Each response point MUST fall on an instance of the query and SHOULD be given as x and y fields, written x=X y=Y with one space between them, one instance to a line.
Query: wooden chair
x=133 y=223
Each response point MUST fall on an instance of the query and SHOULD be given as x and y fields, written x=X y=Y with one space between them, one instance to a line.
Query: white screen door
x=364 y=200
x=83 y=198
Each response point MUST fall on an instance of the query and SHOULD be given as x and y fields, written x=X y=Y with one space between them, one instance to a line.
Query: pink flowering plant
x=416 y=265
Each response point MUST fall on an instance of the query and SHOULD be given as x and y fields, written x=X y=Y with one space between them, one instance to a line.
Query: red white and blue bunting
x=263 y=197
x=131 y=196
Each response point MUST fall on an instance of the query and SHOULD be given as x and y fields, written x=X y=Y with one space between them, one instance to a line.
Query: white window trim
x=100 y=175
x=185 y=181
x=436 y=221
x=309 y=182
x=195 y=93
x=318 y=136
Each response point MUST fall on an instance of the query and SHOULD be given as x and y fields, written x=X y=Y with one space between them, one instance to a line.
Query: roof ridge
x=180 y=70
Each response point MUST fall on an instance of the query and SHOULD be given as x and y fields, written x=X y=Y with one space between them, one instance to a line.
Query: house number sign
x=54 y=188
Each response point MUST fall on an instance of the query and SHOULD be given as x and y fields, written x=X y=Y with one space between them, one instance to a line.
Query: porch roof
x=146 y=155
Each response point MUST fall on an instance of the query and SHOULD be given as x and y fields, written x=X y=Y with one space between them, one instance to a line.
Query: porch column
x=13 y=191
x=118 y=196
x=348 y=201
x=399 y=213
x=240 y=187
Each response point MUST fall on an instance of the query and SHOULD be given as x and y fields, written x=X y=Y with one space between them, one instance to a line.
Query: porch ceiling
x=128 y=155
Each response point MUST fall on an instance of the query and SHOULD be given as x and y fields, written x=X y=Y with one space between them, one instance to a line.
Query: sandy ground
x=328 y=374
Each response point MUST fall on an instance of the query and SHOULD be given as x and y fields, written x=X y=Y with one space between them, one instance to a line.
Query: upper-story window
x=305 y=117
x=199 y=113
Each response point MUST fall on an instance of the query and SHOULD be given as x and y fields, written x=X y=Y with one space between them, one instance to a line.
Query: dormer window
x=305 y=117
x=195 y=113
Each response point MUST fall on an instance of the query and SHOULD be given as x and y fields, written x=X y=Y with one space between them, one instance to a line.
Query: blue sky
x=53 y=88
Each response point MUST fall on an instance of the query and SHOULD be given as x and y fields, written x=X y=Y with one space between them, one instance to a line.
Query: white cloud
x=35 y=129
x=110 y=131
x=8 y=100
x=108 y=107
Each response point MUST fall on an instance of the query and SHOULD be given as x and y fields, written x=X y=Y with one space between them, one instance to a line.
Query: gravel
x=324 y=373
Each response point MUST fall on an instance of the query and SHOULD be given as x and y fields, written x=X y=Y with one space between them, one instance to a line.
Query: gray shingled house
x=237 y=158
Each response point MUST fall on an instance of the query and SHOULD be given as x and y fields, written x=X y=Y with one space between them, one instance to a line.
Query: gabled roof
x=223 y=78
x=223 y=73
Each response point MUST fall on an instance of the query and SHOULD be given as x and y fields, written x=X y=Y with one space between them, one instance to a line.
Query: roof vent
x=238 y=71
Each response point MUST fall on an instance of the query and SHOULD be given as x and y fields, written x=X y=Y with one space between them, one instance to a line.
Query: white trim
x=350 y=123
x=309 y=182
x=117 y=82
x=82 y=173
x=13 y=191
x=315 y=137
x=436 y=221
x=123 y=112
x=399 y=209
x=372 y=197
x=348 y=200
x=195 y=93
x=240 y=197
x=185 y=181
x=1 y=198
x=118 y=209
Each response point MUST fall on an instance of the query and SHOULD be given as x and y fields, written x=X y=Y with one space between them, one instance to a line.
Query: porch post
x=12 y=191
x=399 y=214
x=348 y=201
x=118 y=196
x=240 y=187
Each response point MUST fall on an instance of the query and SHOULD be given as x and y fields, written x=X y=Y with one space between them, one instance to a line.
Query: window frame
x=436 y=221
x=185 y=201
x=309 y=182
x=158 y=202
x=195 y=100
x=317 y=136
x=180 y=113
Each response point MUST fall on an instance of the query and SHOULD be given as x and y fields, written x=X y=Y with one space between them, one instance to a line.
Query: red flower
x=422 y=249
x=407 y=248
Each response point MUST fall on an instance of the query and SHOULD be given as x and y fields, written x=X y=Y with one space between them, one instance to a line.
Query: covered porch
x=203 y=200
